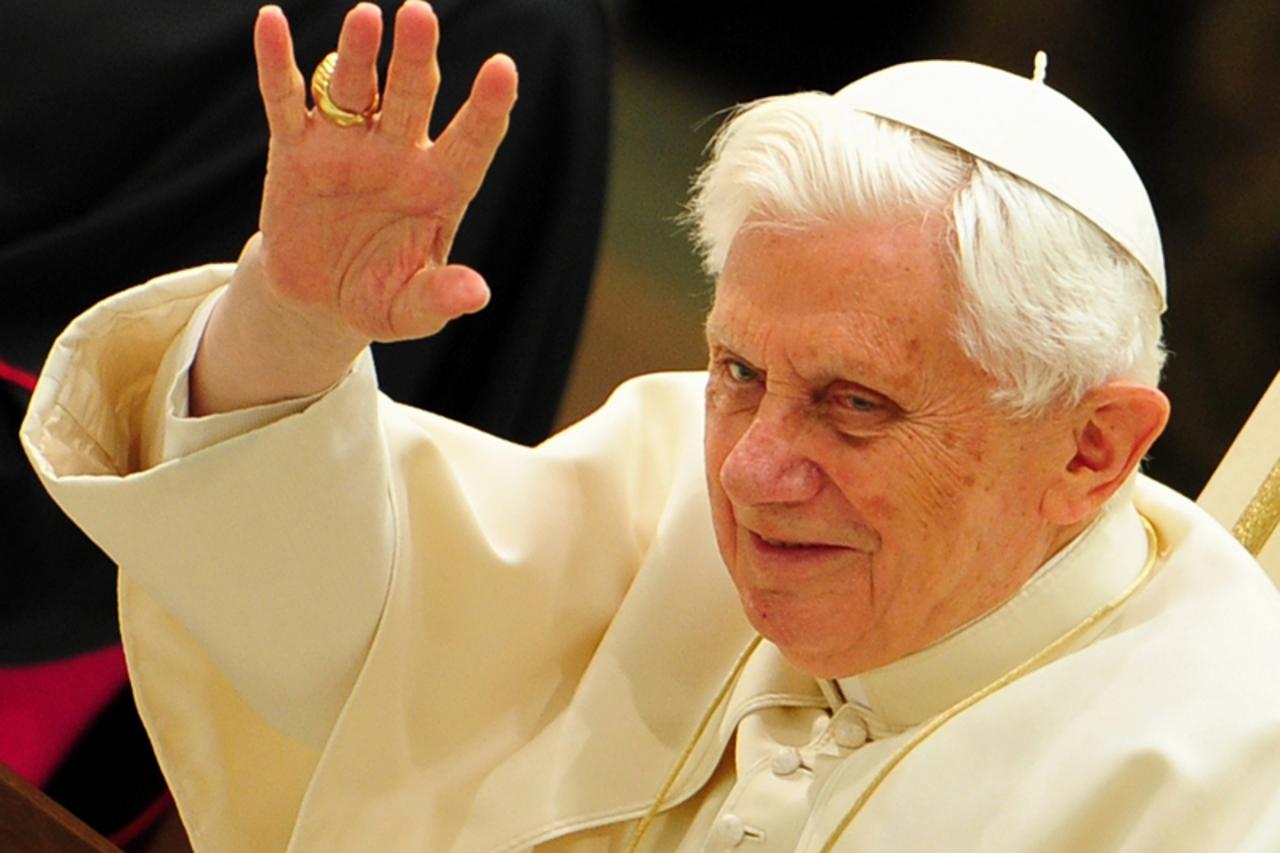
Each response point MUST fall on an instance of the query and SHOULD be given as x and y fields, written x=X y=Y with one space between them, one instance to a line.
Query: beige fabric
x=475 y=646
x=1244 y=492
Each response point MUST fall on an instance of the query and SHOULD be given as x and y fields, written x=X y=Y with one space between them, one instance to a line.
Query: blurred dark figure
x=1188 y=90
x=138 y=147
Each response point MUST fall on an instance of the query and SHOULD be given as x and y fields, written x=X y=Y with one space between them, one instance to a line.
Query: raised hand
x=356 y=221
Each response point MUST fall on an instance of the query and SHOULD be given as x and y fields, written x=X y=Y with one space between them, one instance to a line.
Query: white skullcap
x=1028 y=129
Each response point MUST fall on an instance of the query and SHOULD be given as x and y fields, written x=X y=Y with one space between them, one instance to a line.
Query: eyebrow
x=716 y=333
x=712 y=334
x=720 y=339
x=864 y=373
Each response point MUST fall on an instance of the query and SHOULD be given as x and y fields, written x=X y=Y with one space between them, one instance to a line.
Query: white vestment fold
x=356 y=626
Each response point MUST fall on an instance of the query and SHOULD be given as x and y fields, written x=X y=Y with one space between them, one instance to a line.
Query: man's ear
x=1113 y=427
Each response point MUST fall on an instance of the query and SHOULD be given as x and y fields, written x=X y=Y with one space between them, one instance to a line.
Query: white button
x=729 y=830
x=785 y=761
x=850 y=732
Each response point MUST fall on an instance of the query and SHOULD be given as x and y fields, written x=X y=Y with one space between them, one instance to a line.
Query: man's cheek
x=723 y=522
x=933 y=472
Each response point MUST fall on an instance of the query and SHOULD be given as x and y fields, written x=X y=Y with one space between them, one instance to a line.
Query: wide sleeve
x=248 y=560
x=356 y=595
x=235 y=573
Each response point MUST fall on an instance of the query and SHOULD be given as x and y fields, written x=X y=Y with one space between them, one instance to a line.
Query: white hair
x=1051 y=307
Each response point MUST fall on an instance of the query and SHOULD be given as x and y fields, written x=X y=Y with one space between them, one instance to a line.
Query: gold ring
x=320 y=94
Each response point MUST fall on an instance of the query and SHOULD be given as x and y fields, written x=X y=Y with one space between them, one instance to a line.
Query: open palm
x=357 y=221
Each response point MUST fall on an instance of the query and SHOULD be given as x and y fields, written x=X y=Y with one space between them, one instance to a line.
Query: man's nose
x=767 y=467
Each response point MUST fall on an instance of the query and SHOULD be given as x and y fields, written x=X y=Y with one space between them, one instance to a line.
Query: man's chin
x=776 y=619
x=805 y=648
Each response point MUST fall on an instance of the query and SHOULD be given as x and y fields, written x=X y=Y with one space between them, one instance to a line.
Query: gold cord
x=1261 y=516
x=643 y=826
x=1026 y=667
x=1030 y=665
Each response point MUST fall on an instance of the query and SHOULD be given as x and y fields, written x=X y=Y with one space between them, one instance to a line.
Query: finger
x=413 y=77
x=355 y=79
x=471 y=139
x=435 y=296
x=279 y=81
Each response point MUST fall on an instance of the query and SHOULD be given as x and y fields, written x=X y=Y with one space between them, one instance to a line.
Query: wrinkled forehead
x=873 y=305
x=882 y=281
x=805 y=259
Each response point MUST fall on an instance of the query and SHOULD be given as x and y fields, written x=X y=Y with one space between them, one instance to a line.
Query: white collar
x=1081 y=578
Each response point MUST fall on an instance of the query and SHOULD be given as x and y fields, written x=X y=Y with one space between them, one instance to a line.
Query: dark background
x=1188 y=89
x=112 y=171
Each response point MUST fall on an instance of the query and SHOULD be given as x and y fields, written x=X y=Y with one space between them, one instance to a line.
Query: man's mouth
x=771 y=544
x=782 y=543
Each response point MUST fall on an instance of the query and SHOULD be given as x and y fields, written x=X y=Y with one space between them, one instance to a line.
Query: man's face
x=868 y=498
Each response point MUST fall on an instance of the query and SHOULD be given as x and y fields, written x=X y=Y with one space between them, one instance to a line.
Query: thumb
x=435 y=296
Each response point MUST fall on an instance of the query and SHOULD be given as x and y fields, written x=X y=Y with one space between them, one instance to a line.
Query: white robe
x=356 y=626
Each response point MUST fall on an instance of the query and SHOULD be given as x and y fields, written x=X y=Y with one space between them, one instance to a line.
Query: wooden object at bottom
x=30 y=822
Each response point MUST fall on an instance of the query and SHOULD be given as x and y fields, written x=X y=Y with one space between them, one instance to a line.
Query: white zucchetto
x=1029 y=130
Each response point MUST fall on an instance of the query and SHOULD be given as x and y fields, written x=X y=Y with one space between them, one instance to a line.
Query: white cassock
x=356 y=626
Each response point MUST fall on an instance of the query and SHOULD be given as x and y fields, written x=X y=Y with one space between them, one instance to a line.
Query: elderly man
x=954 y=617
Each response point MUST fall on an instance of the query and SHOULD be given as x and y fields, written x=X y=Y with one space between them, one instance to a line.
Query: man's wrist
x=256 y=350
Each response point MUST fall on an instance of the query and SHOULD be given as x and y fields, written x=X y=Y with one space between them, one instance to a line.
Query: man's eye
x=859 y=403
x=739 y=372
